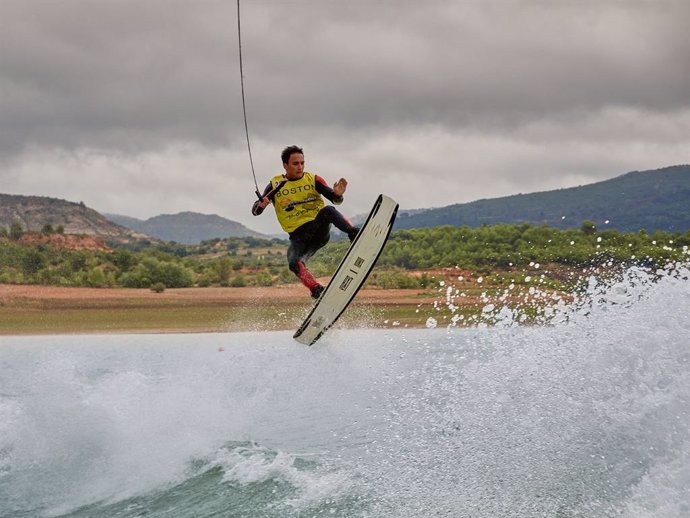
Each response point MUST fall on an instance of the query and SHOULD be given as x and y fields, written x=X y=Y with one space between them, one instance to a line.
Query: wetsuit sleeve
x=256 y=210
x=325 y=190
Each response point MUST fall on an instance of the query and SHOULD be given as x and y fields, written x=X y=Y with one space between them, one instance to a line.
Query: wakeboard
x=353 y=270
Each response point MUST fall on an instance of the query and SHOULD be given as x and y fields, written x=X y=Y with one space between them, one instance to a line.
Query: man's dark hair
x=289 y=151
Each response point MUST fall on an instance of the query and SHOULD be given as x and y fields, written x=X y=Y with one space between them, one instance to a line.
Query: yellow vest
x=297 y=202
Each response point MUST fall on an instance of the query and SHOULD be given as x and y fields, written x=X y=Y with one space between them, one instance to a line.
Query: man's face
x=294 y=169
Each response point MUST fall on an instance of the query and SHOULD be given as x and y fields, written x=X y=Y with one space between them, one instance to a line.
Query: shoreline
x=27 y=310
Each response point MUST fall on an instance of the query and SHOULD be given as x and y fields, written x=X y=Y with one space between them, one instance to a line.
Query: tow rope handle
x=270 y=193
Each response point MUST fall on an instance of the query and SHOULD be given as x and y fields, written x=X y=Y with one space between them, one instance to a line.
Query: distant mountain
x=649 y=200
x=188 y=228
x=34 y=212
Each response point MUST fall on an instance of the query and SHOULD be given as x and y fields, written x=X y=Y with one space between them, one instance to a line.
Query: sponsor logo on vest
x=294 y=190
x=290 y=205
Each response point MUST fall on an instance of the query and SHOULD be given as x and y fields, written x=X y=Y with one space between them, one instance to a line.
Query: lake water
x=586 y=417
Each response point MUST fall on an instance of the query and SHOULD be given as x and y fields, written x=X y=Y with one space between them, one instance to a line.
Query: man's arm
x=334 y=195
x=260 y=205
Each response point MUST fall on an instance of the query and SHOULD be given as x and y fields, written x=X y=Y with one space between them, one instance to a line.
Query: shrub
x=223 y=268
x=16 y=231
x=263 y=279
x=32 y=261
x=285 y=276
x=137 y=278
x=238 y=281
x=123 y=259
x=96 y=278
x=395 y=280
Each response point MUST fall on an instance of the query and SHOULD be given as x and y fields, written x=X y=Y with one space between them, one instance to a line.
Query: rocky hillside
x=34 y=212
x=65 y=241
x=189 y=228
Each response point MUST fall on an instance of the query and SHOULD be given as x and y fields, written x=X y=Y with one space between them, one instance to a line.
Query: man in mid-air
x=297 y=197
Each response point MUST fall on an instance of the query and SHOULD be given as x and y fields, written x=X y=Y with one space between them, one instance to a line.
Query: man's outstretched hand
x=340 y=186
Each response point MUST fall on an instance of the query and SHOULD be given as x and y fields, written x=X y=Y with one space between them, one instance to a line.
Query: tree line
x=260 y=262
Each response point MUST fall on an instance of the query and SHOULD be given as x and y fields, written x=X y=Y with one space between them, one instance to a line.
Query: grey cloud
x=113 y=74
x=137 y=75
x=135 y=107
x=495 y=67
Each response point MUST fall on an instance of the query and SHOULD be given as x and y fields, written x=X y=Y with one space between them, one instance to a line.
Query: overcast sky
x=134 y=107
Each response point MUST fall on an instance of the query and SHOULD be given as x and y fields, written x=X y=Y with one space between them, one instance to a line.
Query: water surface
x=586 y=417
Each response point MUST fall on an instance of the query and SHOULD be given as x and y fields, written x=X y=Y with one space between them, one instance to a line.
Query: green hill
x=649 y=200
x=189 y=228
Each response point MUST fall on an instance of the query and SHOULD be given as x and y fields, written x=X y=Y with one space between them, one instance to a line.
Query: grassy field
x=170 y=319
x=455 y=300
x=192 y=319
x=44 y=310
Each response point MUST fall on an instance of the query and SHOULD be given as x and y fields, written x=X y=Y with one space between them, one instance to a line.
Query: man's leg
x=309 y=238
x=330 y=215
x=297 y=251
